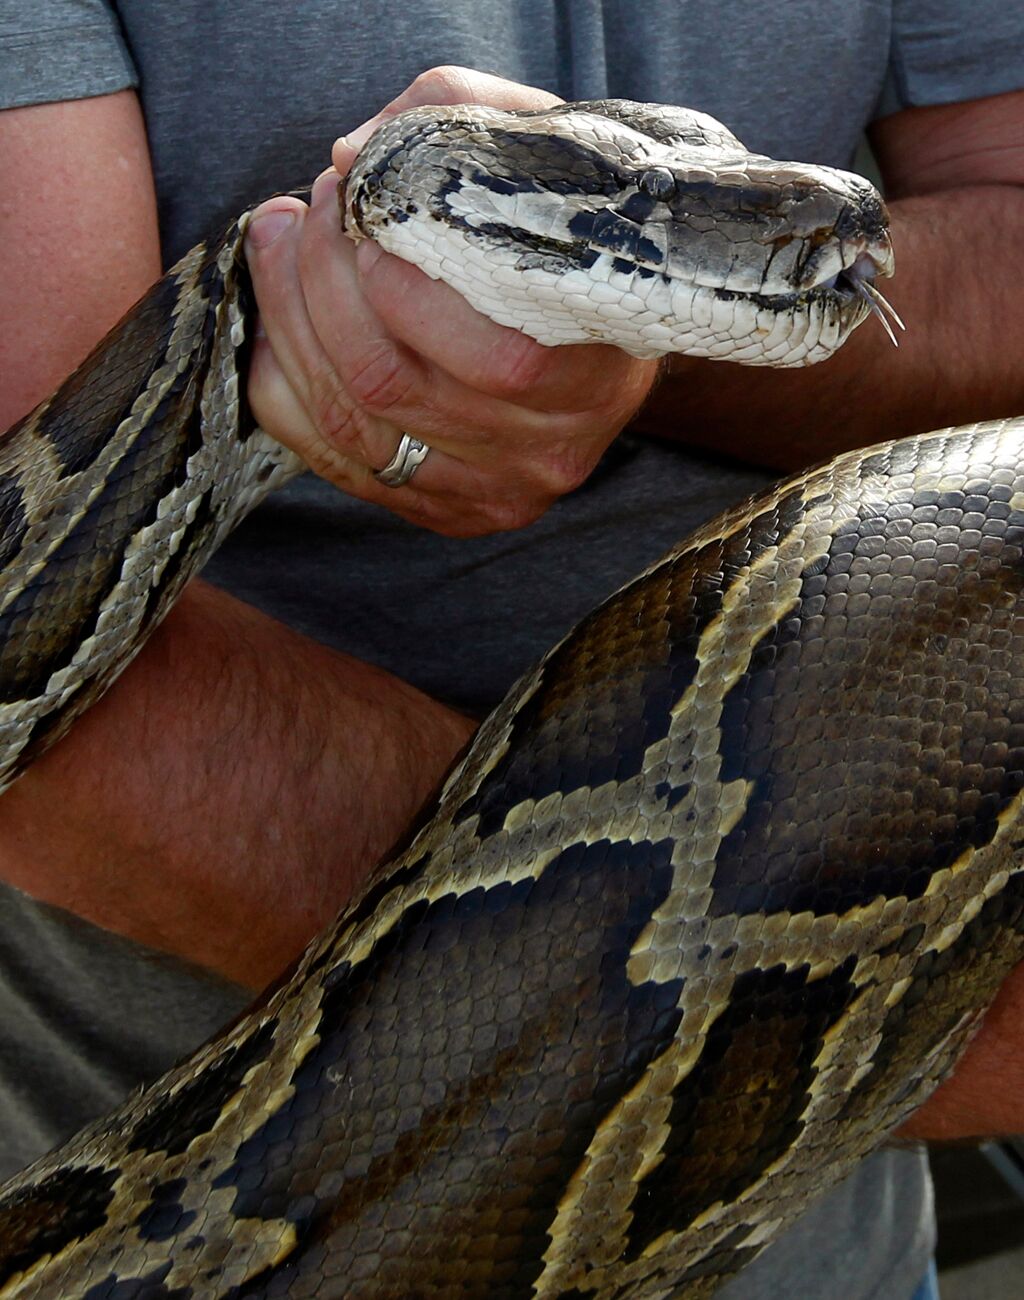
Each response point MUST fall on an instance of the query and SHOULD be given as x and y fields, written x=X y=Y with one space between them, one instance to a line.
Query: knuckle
x=328 y=463
x=559 y=472
x=506 y=515
x=446 y=83
x=377 y=378
x=336 y=419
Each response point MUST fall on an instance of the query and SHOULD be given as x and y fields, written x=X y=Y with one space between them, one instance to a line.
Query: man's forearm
x=959 y=267
x=227 y=795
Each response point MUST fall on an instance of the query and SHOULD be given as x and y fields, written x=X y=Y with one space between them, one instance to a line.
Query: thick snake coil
x=719 y=892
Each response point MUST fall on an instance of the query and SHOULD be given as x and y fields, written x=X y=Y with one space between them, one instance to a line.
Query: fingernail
x=326 y=183
x=356 y=138
x=268 y=226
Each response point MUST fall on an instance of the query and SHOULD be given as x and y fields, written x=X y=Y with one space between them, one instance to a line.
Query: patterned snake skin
x=718 y=893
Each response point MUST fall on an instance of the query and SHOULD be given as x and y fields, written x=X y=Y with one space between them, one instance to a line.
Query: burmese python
x=717 y=894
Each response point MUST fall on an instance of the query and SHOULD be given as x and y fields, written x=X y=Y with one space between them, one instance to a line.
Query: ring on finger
x=409 y=456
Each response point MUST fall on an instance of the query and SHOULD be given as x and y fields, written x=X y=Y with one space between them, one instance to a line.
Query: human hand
x=360 y=347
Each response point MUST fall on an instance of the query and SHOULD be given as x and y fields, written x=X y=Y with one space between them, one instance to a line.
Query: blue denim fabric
x=929 y=1288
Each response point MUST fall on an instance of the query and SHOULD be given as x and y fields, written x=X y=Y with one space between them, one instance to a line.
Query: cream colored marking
x=755 y=602
x=1006 y=823
x=626 y=1147
x=252 y=1245
x=838 y=1067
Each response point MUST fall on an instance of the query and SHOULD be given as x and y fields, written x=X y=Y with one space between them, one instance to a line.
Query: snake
x=715 y=898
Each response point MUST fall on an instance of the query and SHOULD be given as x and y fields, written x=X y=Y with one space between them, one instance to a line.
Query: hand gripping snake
x=719 y=892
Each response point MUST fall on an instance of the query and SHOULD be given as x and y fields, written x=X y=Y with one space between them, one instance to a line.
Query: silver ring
x=404 y=463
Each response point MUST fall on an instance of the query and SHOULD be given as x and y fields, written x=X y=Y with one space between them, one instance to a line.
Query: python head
x=641 y=225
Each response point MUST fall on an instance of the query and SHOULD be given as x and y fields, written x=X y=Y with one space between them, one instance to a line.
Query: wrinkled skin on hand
x=360 y=347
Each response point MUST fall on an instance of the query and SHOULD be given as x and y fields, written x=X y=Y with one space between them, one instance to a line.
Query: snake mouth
x=857 y=285
x=854 y=287
x=851 y=292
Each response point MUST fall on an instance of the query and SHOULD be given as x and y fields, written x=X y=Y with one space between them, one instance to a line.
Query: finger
x=321 y=338
x=319 y=420
x=389 y=380
x=330 y=367
x=437 y=323
x=448 y=84
x=457 y=499
x=296 y=390
x=280 y=413
x=549 y=412
x=456 y=488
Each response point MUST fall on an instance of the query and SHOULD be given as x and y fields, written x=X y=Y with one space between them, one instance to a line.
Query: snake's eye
x=658 y=183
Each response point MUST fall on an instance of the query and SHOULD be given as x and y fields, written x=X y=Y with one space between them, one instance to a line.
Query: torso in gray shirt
x=244 y=98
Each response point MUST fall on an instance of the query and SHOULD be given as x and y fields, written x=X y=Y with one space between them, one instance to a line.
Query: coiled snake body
x=718 y=893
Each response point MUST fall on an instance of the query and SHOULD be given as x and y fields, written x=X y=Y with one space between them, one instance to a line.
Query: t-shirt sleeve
x=61 y=49
x=944 y=51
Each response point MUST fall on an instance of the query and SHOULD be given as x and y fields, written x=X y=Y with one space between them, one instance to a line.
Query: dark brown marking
x=553 y=162
x=43 y=627
x=164 y=1217
x=945 y=987
x=96 y=398
x=662 y=122
x=50 y=1215
x=149 y=1287
x=910 y=631
x=470 y=1062
x=172 y=1121
x=377 y=892
x=727 y=1258
x=608 y=692
x=49 y=727
x=739 y=1108
x=246 y=299
x=12 y=518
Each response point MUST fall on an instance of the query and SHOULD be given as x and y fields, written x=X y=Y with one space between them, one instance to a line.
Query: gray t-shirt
x=244 y=98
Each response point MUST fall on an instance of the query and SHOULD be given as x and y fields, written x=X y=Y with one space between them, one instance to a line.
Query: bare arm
x=223 y=799
x=230 y=791
x=236 y=783
x=79 y=237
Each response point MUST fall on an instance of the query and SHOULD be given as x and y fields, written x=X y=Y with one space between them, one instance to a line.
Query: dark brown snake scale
x=711 y=905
